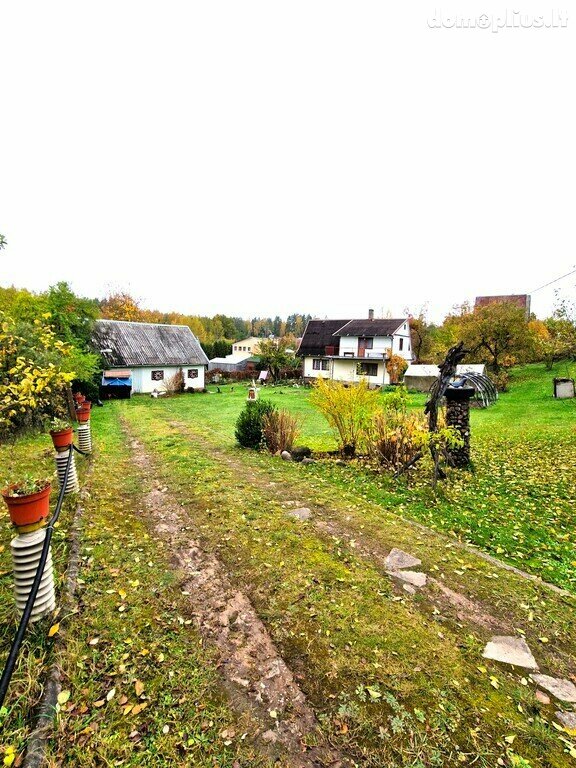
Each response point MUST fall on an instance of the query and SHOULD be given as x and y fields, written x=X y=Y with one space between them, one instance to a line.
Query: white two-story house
x=351 y=350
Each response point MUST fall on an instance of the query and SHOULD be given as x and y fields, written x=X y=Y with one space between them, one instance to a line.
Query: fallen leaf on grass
x=110 y=694
x=53 y=629
x=139 y=687
x=63 y=697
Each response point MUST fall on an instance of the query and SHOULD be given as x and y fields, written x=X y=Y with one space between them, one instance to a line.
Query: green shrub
x=250 y=423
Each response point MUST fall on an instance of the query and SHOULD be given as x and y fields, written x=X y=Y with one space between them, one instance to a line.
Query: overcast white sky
x=262 y=158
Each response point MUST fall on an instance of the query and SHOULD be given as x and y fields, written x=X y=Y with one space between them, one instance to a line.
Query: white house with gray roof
x=147 y=354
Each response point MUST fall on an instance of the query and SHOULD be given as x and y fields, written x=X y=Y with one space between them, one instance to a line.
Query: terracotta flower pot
x=27 y=510
x=83 y=415
x=62 y=438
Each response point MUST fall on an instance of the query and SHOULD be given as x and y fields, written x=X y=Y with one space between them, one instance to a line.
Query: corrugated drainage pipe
x=26 y=553
x=72 y=485
x=85 y=437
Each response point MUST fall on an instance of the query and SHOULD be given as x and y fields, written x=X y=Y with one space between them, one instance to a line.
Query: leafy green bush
x=250 y=423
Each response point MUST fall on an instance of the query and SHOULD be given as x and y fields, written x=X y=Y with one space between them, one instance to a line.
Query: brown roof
x=378 y=327
x=318 y=335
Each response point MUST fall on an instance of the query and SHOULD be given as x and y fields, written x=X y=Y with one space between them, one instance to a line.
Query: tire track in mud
x=255 y=675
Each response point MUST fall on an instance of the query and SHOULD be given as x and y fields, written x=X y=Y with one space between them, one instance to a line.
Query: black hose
x=25 y=618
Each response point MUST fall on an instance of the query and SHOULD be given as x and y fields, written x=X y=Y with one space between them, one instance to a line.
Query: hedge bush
x=250 y=422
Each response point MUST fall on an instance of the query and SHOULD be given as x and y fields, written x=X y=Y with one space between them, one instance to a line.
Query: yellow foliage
x=27 y=387
x=348 y=410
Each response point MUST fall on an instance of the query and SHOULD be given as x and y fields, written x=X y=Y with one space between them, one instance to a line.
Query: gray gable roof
x=134 y=344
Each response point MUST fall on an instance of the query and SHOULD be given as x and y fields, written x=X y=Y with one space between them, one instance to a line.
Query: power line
x=553 y=281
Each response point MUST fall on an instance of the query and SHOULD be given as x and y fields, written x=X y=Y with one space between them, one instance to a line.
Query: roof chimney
x=370 y=314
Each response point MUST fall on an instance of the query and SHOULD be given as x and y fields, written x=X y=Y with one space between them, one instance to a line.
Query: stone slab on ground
x=510 y=650
x=415 y=578
x=303 y=513
x=561 y=689
x=567 y=719
x=397 y=559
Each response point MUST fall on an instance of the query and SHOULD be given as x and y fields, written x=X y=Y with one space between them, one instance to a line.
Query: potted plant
x=83 y=412
x=28 y=501
x=61 y=433
x=79 y=398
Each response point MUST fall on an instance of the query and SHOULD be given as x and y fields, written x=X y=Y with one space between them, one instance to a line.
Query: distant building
x=243 y=358
x=518 y=299
x=354 y=350
x=143 y=355
x=233 y=363
x=420 y=378
x=249 y=345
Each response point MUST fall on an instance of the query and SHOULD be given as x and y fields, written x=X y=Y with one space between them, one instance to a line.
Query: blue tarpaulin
x=110 y=382
x=117 y=378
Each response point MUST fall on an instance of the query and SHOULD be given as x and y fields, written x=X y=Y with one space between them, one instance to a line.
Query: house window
x=157 y=375
x=401 y=342
x=367 y=369
x=320 y=365
x=192 y=373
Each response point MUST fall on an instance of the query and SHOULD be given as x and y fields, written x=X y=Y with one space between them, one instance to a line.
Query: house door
x=363 y=345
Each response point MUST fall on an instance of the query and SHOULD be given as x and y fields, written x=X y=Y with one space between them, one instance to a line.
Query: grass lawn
x=518 y=504
x=143 y=691
x=394 y=679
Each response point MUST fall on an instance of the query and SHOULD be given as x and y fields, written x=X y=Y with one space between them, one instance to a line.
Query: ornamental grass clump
x=279 y=429
x=348 y=409
x=250 y=423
